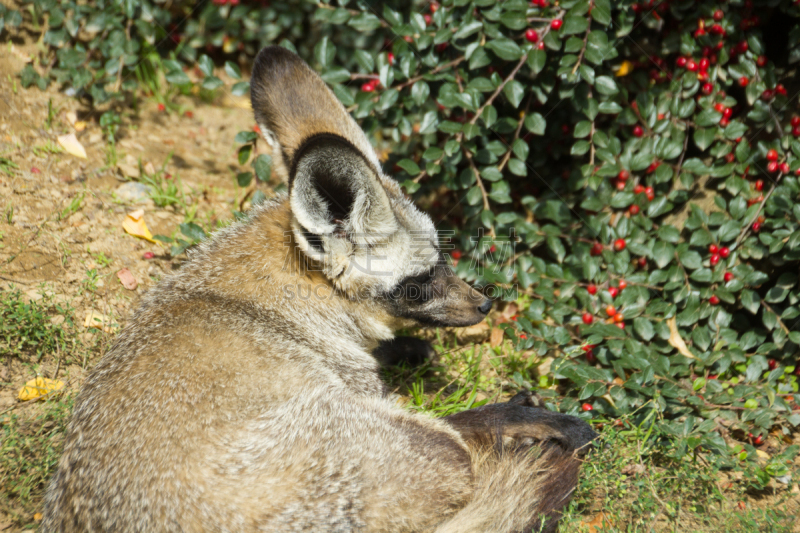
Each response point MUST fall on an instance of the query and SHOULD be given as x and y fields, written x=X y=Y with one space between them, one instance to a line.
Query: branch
x=749 y=225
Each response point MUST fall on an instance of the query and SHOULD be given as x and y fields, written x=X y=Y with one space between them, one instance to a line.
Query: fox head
x=348 y=218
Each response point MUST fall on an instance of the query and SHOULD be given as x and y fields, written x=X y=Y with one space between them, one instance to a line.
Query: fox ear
x=292 y=104
x=336 y=199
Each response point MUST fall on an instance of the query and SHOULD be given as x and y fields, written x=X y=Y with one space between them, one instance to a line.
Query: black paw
x=528 y=399
x=403 y=350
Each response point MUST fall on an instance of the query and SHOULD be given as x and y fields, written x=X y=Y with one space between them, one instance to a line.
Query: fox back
x=244 y=394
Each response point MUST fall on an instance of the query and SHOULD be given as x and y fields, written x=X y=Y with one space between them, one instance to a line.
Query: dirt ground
x=61 y=219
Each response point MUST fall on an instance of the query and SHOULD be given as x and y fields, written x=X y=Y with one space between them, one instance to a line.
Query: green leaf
x=263 y=167
x=232 y=70
x=535 y=123
x=606 y=85
x=193 y=231
x=514 y=91
x=244 y=178
x=324 y=52
x=244 y=153
x=409 y=166
x=703 y=137
x=505 y=49
x=690 y=259
x=536 y=60
x=574 y=24
x=750 y=300
x=643 y=328
x=206 y=65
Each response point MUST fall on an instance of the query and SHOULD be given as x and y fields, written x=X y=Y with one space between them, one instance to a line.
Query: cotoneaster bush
x=629 y=170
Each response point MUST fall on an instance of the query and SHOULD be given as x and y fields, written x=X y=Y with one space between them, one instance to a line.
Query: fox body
x=245 y=393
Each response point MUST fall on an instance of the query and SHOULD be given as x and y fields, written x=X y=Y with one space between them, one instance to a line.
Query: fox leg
x=516 y=489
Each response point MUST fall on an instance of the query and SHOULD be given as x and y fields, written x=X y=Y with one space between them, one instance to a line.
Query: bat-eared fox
x=245 y=392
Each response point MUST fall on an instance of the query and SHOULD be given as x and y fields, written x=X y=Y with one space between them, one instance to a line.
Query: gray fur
x=243 y=394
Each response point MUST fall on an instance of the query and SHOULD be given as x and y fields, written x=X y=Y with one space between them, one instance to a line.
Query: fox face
x=350 y=220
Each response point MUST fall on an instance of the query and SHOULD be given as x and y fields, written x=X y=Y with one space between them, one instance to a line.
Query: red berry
x=713 y=300
x=556 y=24
x=761 y=61
x=368 y=87
x=531 y=35
x=390 y=58
x=148 y=255
x=691 y=65
x=638 y=189
x=724 y=252
x=634 y=209
x=784 y=167
x=587 y=318
x=718 y=15
x=729 y=158
x=590 y=357
x=456 y=254
x=622 y=284
x=597 y=249
x=613 y=292
x=780 y=89
x=796 y=131
x=756 y=226
x=727 y=113
x=713 y=248
x=719 y=107
x=434 y=7
x=428 y=19
x=758 y=440
x=161 y=107
x=724 y=122
x=743 y=81
x=703 y=64
x=759 y=185
x=620 y=325
x=767 y=95
x=772 y=166
x=728 y=276
x=707 y=88
x=714 y=259
x=592 y=289
x=638 y=131
x=650 y=193
x=619 y=317
x=642 y=262
x=680 y=62
x=795 y=121
x=620 y=185
x=256 y=129
x=772 y=363
x=540 y=46
x=623 y=175
x=742 y=47
x=188 y=114
x=619 y=245
x=586 y=406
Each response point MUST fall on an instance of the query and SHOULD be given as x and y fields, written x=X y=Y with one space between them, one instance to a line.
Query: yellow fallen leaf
x=71 y=144
x=37 y=516
x=624 y=69
x=98 y=321
x=79 y=125
x=676 y=341
x=134 y=224
x=39 y=387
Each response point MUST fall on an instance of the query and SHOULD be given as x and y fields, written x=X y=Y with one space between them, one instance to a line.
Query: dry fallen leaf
x=597 y=523
x=633 y=469
x=675 y=339
x=624 y=69
x=127 y=279
x=37 y=517
x=496 y=337
x=79 y=125
x=71 y=144
x=72 y=117
x=134 y=224
x=98 y=321
x=39 y=387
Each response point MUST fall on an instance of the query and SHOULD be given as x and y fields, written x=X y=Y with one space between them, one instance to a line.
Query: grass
x=31 y=433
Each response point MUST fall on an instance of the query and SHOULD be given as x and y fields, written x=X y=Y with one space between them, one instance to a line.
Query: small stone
x=133 y=192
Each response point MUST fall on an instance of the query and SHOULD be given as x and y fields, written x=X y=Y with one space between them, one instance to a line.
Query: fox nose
x=485 y=307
